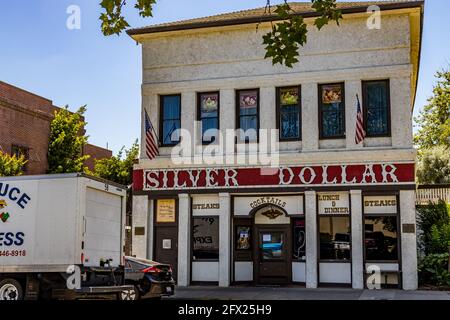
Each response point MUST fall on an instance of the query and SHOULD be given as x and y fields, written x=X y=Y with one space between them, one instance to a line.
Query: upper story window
x=376 y=105
x=208 y=115
x=331 y=111
x=288 y=113
x=248 y=114
x=170 y=119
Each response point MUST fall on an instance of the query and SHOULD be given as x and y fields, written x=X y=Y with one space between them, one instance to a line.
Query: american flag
x=151 y=140
x=360 y=133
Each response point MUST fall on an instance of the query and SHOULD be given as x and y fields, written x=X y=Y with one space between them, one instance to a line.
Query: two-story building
x=25 y=119
x=325 y=210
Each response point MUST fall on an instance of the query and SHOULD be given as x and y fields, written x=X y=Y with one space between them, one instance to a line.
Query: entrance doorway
x=272 y=254
x=166 y=247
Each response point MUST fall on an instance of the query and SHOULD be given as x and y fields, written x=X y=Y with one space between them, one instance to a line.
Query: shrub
x=440 y=238
x=434 y=216
x=11 y=165
x=433 y=269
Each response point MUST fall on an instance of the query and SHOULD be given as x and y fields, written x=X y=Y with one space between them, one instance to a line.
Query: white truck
x=61 y=236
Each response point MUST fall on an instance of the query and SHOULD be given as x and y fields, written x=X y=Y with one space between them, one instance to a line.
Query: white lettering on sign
x=213 y=178
x=230 y=178
x=312 y=175
x=368 y=173
x=334 y=203
x=389 y=171
x=325 y=177
x=287 y=181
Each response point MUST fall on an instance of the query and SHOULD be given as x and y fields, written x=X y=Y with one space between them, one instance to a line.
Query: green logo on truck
x=4 y=216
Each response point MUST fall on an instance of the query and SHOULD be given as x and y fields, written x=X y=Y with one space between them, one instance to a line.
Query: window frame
x=293 y=219
x=278 y=112
x=320 y=107
x=192 y=238
x=398 y=218
x=161 y=119
x=349 y=216
x=365 y=107
x=20 y=147
x=199 y=113
x=238 y=114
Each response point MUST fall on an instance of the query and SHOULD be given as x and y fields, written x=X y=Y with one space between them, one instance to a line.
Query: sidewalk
x=284 y=293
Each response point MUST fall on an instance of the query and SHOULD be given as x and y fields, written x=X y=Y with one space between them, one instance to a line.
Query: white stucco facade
x=230 y=58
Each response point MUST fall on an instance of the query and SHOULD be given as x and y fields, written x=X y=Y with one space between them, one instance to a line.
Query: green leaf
x=320 y=22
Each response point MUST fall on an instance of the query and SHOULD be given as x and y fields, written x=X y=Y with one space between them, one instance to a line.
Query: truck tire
x=10 y=289
x=129 y=295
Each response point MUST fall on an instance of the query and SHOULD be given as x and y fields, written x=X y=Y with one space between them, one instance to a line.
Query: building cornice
x=4 y=102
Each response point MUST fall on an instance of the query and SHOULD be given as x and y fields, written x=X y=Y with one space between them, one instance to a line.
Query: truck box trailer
x=61 y=235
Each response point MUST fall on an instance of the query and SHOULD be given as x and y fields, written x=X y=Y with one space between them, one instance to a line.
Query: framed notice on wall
x=165 y=210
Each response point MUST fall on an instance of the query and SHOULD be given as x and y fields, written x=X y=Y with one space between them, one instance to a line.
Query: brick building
x=25 y=127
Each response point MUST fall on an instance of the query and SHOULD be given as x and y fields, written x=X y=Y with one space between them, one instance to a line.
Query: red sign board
x=220 y=178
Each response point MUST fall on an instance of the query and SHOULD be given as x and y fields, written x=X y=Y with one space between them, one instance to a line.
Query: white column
x=311 y=239
x=184 y=240
x=150 y=230
x=408 y=240
x=227 y=118
x=188 y=116
x=267 y=108
x=357 y=241
x=224 y=239
x=140 y=219
x=310 y=117
x=352 y=88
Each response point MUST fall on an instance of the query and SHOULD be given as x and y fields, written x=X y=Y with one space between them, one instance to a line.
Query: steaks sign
x=216 y=178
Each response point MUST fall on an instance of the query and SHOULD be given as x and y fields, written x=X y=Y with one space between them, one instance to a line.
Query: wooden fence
x=432 y=193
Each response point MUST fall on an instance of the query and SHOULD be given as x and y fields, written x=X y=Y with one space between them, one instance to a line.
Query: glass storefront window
x=335 y=238
x=272 y=245
x=299 y=239
x=381 y=238
x=205 y=232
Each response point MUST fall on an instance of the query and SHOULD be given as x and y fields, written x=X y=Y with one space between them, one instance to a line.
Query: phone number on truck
x=13 y=253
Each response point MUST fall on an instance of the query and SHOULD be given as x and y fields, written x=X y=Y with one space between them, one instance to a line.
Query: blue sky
x=77 y=67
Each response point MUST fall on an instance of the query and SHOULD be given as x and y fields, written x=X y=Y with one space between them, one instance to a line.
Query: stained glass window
x=376 y=105
x=289 y=113
x=171 y=119
x=209 y=116
x=248 y=115
x=332 y=111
